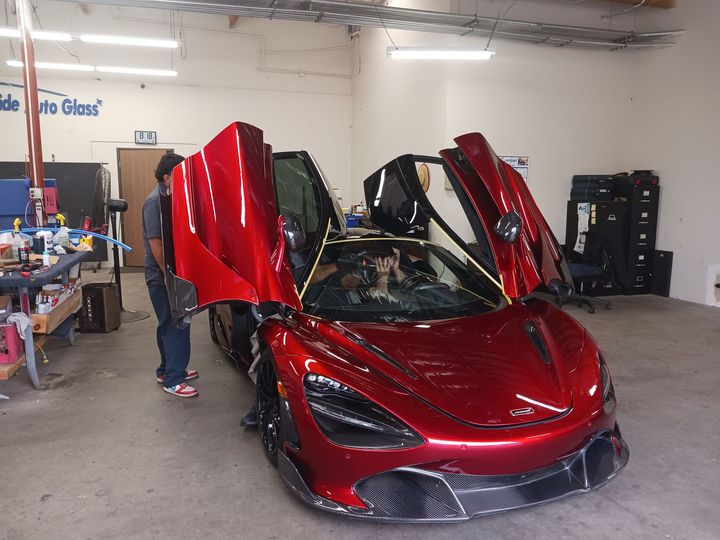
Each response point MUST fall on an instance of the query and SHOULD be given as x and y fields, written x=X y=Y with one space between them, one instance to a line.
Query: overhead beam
x=666 y=4
x=349 y=13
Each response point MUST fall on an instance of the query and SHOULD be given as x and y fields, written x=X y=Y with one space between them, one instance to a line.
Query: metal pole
x=116 y=259
x=32 y=114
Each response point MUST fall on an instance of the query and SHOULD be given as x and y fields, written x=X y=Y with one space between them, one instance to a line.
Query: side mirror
x=508 y=227
x=293 y=232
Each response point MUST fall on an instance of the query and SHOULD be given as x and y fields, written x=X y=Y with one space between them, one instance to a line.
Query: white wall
x=223 y=77
x=571 y=111
x=568 y=110
x=675 y=129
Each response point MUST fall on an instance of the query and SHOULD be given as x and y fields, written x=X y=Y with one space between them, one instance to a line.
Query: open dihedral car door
x=534 y=258
x=487 y=189
x=222 y=236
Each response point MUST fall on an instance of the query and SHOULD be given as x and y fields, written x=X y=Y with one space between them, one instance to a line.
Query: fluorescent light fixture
x=94 y=38
x=52 y=65
x=9 y=32
x=137 y=71
x=425 y=53
x=37 y=34
x=103 y=69
x=51 y=36
x=127 y=40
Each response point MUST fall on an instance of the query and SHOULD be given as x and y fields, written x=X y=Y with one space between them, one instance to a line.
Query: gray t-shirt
x=152 y=228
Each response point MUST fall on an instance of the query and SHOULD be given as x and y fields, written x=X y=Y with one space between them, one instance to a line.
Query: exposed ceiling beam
x=350 y=13
x=650 y=3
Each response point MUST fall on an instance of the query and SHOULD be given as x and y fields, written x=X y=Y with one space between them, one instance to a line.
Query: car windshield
x=396 y=280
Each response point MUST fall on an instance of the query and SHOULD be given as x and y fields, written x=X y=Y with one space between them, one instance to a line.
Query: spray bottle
x=61 y=238
x=17 y=241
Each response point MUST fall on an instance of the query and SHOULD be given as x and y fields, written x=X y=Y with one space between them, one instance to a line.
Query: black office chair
x=585 y=274
x=601 y=268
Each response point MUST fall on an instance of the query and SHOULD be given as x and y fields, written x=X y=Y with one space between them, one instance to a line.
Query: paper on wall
x=520 y=163
x=583 y=217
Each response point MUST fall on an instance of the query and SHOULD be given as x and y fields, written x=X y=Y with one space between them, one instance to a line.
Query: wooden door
x=136 y=168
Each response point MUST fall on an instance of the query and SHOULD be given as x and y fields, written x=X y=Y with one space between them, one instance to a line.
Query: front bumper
x=412 y=494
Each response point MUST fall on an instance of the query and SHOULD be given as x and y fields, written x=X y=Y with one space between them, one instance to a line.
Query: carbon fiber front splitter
x=416 y=495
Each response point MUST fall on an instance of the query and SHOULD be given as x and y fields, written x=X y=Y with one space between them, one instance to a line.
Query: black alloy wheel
x=268 y=405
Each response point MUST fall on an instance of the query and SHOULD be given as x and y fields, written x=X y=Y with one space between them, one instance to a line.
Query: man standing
x=173 y=342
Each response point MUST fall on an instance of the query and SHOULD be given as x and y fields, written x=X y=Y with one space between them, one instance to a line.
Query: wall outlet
x=35 y=193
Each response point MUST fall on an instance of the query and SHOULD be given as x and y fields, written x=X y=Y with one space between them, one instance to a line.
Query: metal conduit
x=349 y=13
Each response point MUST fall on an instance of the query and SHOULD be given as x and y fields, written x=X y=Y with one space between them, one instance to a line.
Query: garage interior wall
x=571 y=111
x=675 y=129
x=224 y=77
x=309 y=86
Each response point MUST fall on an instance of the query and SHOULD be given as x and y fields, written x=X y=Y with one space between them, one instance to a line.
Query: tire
x=268 y=405
x=213 y=320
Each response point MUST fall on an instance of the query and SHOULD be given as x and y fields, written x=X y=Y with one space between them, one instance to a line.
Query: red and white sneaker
x=181 y=390
x=190 y=374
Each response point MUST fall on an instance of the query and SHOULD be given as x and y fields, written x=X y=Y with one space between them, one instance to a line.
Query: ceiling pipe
x=32 y=113
x=364 y=14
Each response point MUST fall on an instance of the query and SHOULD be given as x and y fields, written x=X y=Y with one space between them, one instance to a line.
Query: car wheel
x=268 y=405
x=214 y=321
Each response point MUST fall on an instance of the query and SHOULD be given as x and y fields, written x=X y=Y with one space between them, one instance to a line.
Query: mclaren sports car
x=416 y=369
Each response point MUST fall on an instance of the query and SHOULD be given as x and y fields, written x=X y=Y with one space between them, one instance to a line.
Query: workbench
x=13 y=282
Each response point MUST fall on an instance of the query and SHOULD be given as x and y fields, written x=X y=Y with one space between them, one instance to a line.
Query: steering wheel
x=358 y=263
x=414 y=281
x=431 y=286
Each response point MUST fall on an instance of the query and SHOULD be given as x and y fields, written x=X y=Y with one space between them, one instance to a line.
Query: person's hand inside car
x=382 y=267
x=394 y=261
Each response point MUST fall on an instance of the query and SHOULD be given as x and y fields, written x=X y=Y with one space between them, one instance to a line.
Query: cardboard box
x=5 y=307
x=46 y=323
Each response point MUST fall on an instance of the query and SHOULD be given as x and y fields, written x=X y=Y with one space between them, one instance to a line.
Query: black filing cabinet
x=642 y=193
x=629 y=222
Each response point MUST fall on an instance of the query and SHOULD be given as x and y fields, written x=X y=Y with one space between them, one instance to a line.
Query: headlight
x=350 y=419
x=608 y=392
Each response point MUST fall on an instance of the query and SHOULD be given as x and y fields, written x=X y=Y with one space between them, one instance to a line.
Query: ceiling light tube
x=51 y=36
x=127 y=40
x=425 y=53
x=9 y=32
x=52 y=65
x=37 y=34
x=137 y=71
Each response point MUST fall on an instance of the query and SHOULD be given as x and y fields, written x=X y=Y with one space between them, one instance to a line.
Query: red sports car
x=408 y=371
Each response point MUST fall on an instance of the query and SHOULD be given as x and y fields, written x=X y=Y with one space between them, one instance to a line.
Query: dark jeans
x=173 y=342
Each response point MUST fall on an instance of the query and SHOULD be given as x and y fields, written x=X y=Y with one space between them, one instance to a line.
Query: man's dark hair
x=166 y=165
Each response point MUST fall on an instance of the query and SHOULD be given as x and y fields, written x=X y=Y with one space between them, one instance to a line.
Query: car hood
x=484 y=370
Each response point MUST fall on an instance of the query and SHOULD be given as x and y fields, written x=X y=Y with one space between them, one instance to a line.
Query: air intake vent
x=537 y=340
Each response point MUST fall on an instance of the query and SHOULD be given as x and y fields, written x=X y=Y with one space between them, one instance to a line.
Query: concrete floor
x=104 y=453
